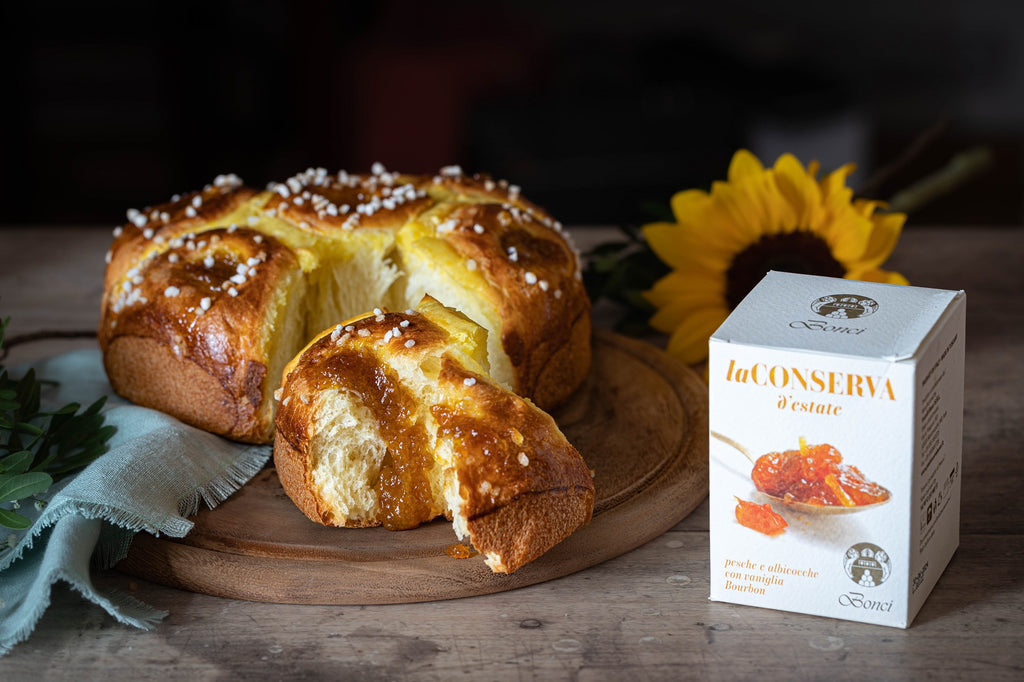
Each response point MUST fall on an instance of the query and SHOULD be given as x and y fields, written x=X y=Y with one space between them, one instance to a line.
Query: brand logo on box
x=867 y=565
x=844 y=306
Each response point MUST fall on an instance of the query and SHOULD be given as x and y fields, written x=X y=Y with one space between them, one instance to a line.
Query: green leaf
x=20 y=486
x=104 y=434
x=46 y=461
x=96 y=406
x=68 y=409
x=30 y=428
x=37 y=446
x=71 y=464
x=28 y=393
x=17 y=463
x=13 y=520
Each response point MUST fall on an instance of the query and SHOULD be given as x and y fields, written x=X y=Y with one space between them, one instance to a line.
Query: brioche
x=208 y=296
x=392 y=419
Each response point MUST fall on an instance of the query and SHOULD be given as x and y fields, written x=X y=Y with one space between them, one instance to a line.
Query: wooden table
x=644 y=615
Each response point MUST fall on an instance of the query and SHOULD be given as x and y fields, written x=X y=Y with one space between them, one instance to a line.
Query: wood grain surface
x=640 y=421
x=644 y=615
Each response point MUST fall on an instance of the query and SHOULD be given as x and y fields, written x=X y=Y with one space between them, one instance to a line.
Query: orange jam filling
x=759 y=517
x=815 y=474
x=403 y=485
x=459 y=551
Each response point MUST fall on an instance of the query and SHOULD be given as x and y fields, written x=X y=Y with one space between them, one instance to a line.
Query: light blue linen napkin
x=155 y=474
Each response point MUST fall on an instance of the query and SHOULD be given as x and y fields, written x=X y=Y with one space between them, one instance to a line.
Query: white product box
x=863 y=384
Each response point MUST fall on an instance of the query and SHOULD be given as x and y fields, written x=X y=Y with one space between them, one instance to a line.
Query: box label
x=834 y=466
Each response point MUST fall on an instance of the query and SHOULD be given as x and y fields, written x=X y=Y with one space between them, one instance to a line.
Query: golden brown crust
x=151 y=228
x=536 y=286
x=522 y=486
x=527 y=271
x=145 y=370
x=563 y=366
x=327 y=203
x=453 y=184
x=185 y=330
x=508 y=447
x=526 y=527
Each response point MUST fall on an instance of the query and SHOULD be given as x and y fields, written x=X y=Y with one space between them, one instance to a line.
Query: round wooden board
x=640 y=421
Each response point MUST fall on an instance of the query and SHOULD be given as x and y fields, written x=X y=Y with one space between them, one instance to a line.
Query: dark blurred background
x=599 y=110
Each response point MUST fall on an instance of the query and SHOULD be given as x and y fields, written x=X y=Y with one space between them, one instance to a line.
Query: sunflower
x=761 y=219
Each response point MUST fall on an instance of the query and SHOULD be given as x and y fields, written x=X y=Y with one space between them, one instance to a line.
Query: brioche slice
x=392 y=419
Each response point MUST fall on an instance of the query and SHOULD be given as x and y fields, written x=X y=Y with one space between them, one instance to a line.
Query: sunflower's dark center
x=800 y=252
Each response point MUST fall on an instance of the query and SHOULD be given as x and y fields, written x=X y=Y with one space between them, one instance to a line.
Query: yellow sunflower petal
x=867 y=207
x=663 y=238
x=689 y=205
x=756 y=202
x=685 y=246
x=696 y=287
x=743 y=166
x=738 y=207
x=781 y=215
x=799 y=189
x=877 y=275
x=884 y=235
x=668 y=317
x=848 y=235
x=689 y=342
x=695 y=209
x=834 y=184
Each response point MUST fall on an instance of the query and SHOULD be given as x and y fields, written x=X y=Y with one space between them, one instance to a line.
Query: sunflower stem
x=959 y=170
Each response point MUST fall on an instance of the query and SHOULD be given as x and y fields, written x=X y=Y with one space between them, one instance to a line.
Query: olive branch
x=39 y=447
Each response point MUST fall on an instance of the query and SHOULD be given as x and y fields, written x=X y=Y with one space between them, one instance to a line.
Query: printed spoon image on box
x=812 y=479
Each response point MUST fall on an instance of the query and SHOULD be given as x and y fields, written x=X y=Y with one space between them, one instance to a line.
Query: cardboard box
x=863 y=384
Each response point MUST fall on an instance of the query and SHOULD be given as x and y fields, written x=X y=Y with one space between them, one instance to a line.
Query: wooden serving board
x=640 y=421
